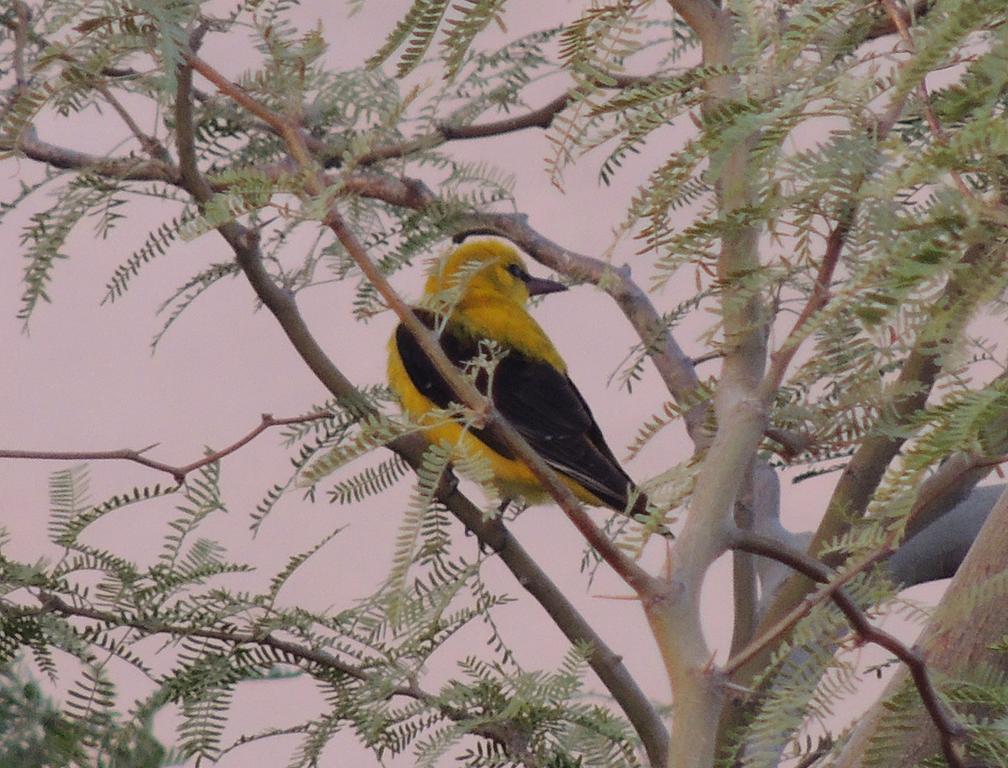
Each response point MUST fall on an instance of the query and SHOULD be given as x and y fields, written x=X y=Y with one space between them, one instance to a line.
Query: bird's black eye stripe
x=518 y=272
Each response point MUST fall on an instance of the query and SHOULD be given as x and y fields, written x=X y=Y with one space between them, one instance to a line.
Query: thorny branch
x=950 y=730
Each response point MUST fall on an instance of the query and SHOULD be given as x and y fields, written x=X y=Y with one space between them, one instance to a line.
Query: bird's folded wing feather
x=540 y=401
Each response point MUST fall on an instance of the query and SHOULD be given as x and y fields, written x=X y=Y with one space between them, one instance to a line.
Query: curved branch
x=951 y=731
x=178 y=473
x=446 y=131
x=702 y=16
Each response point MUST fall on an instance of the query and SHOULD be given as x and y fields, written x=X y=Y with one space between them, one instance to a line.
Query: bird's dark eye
x=518 y=272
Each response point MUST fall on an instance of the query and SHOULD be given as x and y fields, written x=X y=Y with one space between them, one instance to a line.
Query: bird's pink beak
x=537 y=286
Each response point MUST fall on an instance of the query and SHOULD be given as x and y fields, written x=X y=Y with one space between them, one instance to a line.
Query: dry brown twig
x=178 y=473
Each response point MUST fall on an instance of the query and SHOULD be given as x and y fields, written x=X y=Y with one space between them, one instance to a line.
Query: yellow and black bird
x=489 y=288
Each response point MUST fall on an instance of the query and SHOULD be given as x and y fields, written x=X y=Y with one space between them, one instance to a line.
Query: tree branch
x=463 y=388
x=951 y=731
x=748 y=542
x=959 y=645
x=865 y=470
x=781 y=358
x=606 y=664
x=445 y=130
x=296 y=653
x=702 y=16
x=178 y=473
x=22 y=14
x=126 y=168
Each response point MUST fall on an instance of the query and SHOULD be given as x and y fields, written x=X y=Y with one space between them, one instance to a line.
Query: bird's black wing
x=541 y=402
x=459 y=349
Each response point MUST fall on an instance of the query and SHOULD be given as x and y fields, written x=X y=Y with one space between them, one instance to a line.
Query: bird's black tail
x=640 y=512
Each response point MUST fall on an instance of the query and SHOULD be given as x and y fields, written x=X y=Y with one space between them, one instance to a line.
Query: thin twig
x=951 y=732
x=506 y=733
x=781 y=358
x=178 y=473
x=10 y=21
x=491 y=532
x=445 y=132
x=772 y=635
x=148 y=143
x=901 y=23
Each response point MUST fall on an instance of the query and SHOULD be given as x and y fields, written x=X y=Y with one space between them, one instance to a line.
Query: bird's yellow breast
x=485 y=316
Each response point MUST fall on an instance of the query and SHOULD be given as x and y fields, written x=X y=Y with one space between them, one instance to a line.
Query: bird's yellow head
x=486 y=270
